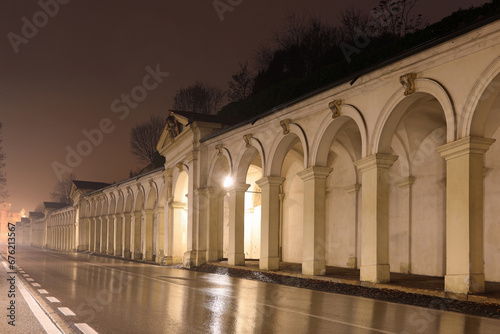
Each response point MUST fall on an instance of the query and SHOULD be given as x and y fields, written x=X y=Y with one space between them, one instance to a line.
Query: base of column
x=269 y=263
x=212 y=256
x=137 y=256
x=167 y=260
x=404 y=268
x=236 y=259
x=127 y=254
x=189 y=259
x=118 y=252
x=148 y=256
x=375 y=273
x=159 y=257
x=317 y=267
x=111 y=252
x=352 y=262
x=82 y=248
x=464 y=284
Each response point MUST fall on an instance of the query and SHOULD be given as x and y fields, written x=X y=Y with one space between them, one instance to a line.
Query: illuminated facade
x=397 y=171
x=6 y=217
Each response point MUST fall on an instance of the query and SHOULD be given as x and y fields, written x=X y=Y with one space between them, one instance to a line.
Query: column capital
x=270 y=181
x=210 y=191
x=467 y=145
x=241 y=187
x=405 y=182
x=314 y=173
x=353 y=189
x=378 y=160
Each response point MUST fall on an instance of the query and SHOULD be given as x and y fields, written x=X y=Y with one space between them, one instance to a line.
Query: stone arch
x=112 y=203
x=248 y=154
x=396 y=107
x=281 y=146
x=329 y=129
x=139 y=198
x=478 y=103
x=221 y=167
x=152 y=196
x=414 y=126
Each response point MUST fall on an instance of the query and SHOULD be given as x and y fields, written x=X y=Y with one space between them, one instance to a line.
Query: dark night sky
x=65 y=78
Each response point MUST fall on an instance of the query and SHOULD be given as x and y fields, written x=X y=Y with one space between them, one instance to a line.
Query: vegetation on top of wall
x=379 y=49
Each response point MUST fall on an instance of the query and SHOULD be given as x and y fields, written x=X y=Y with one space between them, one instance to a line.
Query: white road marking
x=53 y=300
x=86 y=329
x=43 y=291
x=26 y=275
x=35 y=285
x=66 y=311
x=44 y=320
x=30 y=279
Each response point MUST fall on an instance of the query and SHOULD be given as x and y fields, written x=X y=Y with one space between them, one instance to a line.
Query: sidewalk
x=416 y=290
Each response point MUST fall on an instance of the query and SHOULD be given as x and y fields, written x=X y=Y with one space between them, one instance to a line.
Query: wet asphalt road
x=116 y=296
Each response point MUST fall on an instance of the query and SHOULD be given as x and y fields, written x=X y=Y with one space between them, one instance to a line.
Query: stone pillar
x=214 y=222
x=117 y=240
x=111 y=234
x=375 y=217
x=313 y=258
x=90 y=239
x=104 y=234
x=464 y=214
x=159 y=234
x=405 y=223
x=236 y=253
x=97 y=235
x=147 y=244
x=135 y=232
x=169 y=239
x=269 y=240
x=126 y=235
x=352 y=262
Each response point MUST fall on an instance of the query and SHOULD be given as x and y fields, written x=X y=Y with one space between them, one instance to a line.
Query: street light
x=228 y=181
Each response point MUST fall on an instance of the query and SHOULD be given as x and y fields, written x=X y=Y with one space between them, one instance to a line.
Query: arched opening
x=292 y=203
x=248 y=172
x=180 y=207
x=253 y=202
x=486 y=123
x=343 y=140
x=417 y=186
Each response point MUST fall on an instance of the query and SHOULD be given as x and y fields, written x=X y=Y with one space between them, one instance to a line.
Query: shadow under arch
x=397 y=106
x=329 y=130
x=282 y=145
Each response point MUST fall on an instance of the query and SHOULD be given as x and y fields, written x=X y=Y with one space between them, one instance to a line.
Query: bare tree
x=395 y=17
x=62 y=190
x=144 y=138
x=3 y=178
x=200 y=98
x=354 y=22
x=241 y=84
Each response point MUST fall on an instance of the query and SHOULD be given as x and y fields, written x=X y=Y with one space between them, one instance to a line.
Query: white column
x=353 y=191
x=375 y=217
x=236 y=254
x=464 y=214
x=269 y=251
x=313 y=256
x=405 y=223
